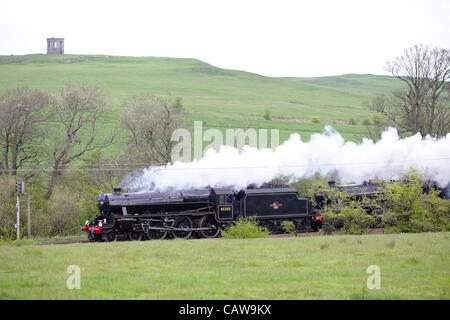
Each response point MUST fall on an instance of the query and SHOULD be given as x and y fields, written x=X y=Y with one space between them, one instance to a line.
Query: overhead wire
x=133 y=167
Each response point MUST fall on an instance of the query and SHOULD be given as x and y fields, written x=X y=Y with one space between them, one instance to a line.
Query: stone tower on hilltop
x=55 y=45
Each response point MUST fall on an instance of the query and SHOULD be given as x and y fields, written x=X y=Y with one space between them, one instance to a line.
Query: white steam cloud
x=324 y=153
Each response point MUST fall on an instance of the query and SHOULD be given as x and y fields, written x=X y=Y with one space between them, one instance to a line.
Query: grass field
x=413 y=266
x=222 y=98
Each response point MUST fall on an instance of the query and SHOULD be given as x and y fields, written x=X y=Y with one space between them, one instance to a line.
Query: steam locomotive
x=203 y=213
x=200 y=213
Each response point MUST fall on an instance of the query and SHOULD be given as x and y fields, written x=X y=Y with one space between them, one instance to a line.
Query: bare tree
x=150 y=122
x=76 y=113
x=422 y=105
x=22 y=112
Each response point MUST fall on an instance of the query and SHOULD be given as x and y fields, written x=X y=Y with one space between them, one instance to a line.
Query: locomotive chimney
x=117 y=190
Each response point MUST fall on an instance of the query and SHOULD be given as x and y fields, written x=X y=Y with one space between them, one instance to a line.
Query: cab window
x=226 y=199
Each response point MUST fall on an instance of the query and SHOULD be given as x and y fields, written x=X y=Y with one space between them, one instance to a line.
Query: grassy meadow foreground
x=413 y=266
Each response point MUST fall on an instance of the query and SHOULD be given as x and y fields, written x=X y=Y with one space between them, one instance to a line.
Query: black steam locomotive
x=198 y=212
x=203 y=213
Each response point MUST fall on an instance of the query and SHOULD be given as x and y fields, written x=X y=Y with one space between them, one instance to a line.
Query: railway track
x=284 y=235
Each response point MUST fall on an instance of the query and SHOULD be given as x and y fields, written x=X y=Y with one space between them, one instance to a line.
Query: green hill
x=221 y=98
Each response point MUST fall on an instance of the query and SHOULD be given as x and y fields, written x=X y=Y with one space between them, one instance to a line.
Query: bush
x=245 y=229
x=7 y=207
x=407 y=209
x=366 y=122
x=435 y=216
x=348 y=219
x=62 y=212
x=267 y=113
x=315 y=120
x=352 y=121
x=343 y=212
x=289 y=227
x=178 y=104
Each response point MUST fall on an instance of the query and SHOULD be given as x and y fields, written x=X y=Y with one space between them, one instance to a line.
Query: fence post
x=29 y=215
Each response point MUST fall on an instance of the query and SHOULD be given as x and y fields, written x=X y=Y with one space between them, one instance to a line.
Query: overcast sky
x=273 y=38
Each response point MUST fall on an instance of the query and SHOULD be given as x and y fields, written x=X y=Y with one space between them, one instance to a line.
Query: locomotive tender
x=198 y=212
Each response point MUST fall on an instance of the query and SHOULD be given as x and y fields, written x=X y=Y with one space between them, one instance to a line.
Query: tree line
x=58 y=143
x=51 y=131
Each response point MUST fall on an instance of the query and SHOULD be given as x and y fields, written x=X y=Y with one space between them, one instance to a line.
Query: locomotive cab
x=103 y=202
x=227 y=206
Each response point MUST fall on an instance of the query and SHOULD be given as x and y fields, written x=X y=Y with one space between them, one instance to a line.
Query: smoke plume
x=324 y=153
